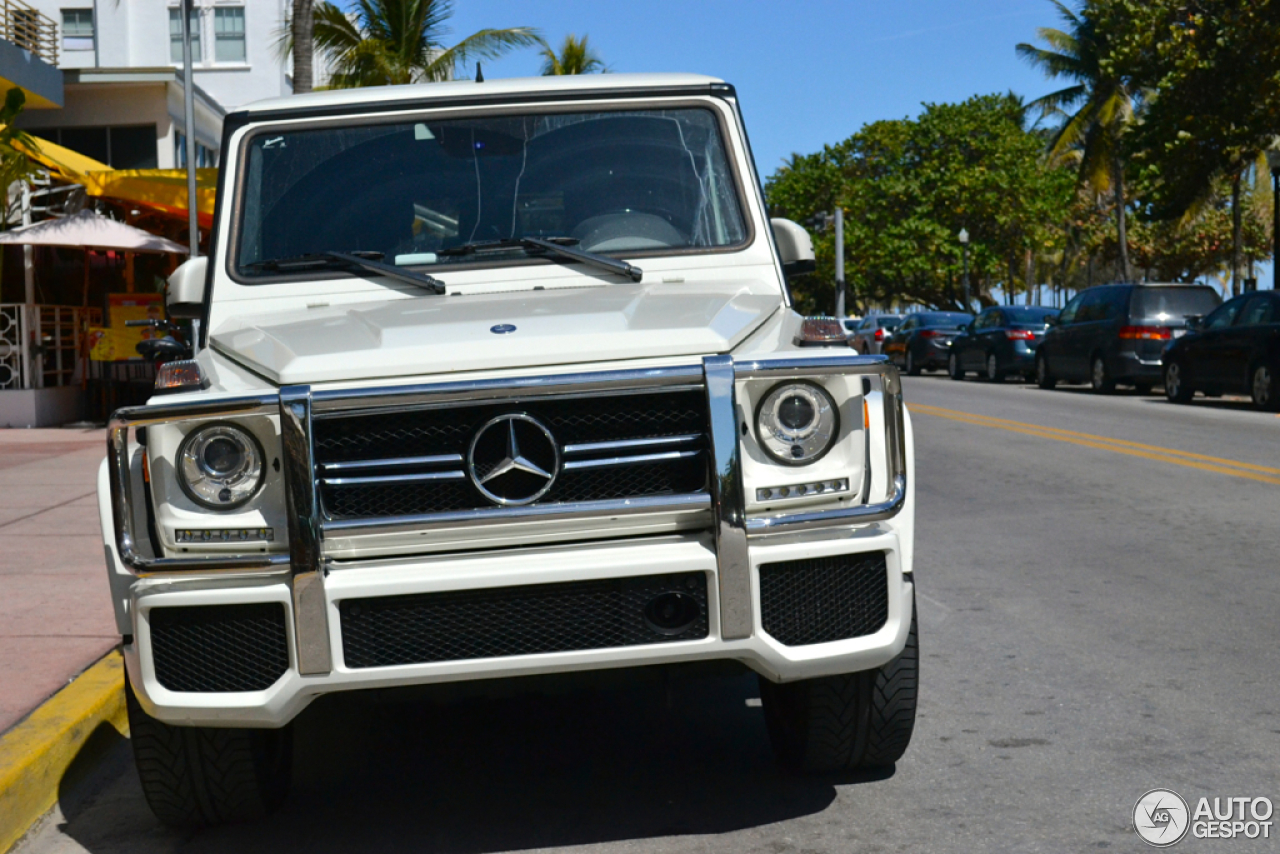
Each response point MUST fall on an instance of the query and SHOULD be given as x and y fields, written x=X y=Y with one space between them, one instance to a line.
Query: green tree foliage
x=14 y=163
x=1211 y=69
x=574 y=57
x=909 y=186
x=1212 y=72
x=389 y=42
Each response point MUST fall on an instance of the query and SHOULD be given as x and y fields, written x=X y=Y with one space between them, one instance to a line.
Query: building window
x=77 y=29
x=205 y=156
x=228 y=28
x=175 y=36
x=120 y=147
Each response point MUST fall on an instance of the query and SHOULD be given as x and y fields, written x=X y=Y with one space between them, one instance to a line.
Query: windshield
x=1030 y=315
x=1172 y=304
x=945 y=320
x=633 y=181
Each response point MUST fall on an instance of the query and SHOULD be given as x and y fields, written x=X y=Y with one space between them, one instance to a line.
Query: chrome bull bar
x=304 y=566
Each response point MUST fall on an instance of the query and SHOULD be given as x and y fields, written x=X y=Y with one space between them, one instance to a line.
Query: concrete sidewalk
x=55 y=611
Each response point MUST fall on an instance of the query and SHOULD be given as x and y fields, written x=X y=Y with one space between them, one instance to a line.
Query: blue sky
x=808 y=72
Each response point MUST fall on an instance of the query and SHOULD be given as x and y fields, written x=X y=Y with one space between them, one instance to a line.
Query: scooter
x=159 y=351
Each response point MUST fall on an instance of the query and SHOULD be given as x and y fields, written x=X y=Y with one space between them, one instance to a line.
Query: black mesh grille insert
x=430 y=432
x=523 y=620
x=824 y=599
x=219 y=647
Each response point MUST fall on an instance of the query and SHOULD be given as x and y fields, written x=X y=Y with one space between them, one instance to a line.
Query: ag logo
x=1161 y=817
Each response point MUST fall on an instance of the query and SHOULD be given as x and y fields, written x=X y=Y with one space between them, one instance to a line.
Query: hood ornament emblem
x=513 y=460
x=502 y=328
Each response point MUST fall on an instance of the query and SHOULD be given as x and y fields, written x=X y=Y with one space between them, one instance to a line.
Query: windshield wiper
x=362 y=260
x=557 y=246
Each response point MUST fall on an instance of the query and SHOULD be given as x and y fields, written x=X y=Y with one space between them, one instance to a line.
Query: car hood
x=439 y=334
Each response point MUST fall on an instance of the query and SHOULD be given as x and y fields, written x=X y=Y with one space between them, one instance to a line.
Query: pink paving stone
x=55 y=612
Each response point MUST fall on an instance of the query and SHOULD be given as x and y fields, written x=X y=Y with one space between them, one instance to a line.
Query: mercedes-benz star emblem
x=513 y=459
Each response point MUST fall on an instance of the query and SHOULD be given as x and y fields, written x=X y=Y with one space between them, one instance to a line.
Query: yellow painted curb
x=36 y=753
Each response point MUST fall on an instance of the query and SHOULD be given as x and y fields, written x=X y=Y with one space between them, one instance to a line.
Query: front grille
x=446 y=434
x=824 y=599
x=212 y=648
x=505 y=621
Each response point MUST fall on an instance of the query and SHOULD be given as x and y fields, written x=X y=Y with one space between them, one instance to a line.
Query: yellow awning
x=163 y=189
x=70 y=164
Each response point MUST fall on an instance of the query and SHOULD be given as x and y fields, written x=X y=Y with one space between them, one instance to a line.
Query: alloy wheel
x=1264 y=396
x=1102 y=384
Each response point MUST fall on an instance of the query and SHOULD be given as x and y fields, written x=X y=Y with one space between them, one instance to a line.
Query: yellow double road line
x=1202 y=462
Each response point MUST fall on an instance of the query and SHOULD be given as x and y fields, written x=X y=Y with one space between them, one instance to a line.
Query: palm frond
x=485 y=44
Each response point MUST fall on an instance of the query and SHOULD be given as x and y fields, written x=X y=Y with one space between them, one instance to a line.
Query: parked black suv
x=1113 y=334
x=1235 y=349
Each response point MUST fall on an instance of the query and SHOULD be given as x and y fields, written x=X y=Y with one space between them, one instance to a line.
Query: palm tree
x=575 y=57
x=389 y=42
x=302 y=32
x=1096 y=109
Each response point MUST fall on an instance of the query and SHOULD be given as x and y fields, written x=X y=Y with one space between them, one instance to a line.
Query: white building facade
x=122 y=67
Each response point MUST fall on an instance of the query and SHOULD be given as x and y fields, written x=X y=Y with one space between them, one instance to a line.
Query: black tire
x=1264 y=389
x=913 y=370
x=1142 y=388
x=202 y=776
x=994 y=374
x=953 y=367
x=1099 y=378
x=1175 y=389
x=1044 y=379
x=846 y=722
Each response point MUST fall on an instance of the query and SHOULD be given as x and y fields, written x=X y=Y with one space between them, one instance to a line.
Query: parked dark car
x=1002 y=341
x=923 y=340
x=1115 y=334
x=870 y=333
x=1236 y=349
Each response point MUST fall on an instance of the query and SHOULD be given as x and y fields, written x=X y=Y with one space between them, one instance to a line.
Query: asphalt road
x=1098 y=618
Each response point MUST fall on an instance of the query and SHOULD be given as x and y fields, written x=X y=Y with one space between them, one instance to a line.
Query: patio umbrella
x=88 y=230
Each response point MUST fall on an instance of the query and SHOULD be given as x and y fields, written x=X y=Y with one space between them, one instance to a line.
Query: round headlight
x=797 y=422
x=220 y=466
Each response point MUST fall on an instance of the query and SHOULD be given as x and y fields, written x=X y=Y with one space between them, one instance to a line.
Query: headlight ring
x=220 y=466
x=797 y=422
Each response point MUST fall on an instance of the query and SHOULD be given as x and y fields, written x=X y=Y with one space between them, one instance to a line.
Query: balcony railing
x=27 y=28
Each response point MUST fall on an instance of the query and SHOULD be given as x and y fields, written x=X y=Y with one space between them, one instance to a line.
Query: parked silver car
x=869 y=335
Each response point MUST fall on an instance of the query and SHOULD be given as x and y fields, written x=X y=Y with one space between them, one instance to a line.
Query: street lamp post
x=964 y=245
x=1273 y=163
x=840 y=263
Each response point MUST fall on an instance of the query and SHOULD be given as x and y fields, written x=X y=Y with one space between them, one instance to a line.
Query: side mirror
x=1194 y=322
x=185 y=294
x=794 y=246
x=1051 y=320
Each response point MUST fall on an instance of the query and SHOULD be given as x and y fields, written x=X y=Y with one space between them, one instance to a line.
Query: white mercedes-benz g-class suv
x=493 y=380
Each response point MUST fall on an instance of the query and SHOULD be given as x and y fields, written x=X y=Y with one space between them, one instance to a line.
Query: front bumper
x=309 y=588
x=278 y=704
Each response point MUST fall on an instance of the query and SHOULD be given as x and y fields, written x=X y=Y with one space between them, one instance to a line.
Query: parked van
x=1114 y=334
